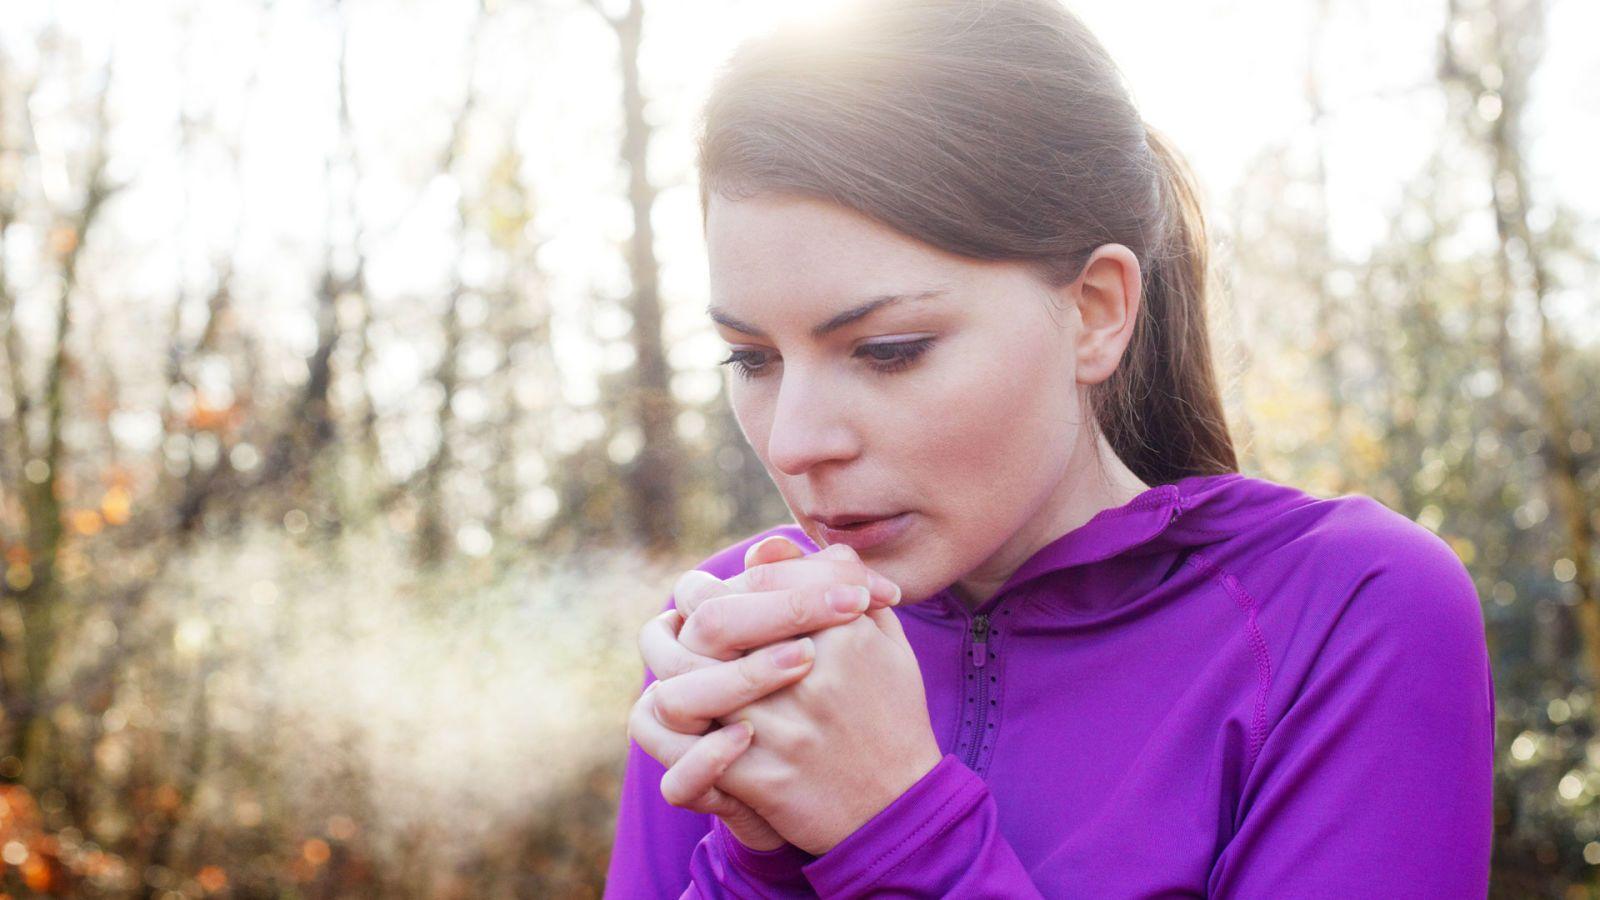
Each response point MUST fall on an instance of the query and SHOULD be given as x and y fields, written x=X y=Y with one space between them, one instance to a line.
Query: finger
x=840 y=551
x=697 y=770
x=746 y=825
x=887 y=587
x=694 y=587
x=664 y=654
x=889 y=624
x=772 y=549
x=687 y=703
x=822 y=567
x=669 y=748
x=662 y=743
x=724 y=627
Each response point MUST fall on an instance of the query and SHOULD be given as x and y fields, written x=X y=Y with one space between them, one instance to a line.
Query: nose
x=810 y=425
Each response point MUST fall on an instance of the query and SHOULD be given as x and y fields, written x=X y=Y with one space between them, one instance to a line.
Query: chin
x=914 y=585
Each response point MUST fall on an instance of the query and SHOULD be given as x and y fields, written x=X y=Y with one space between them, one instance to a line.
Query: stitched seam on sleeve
x=748 y=861
x=1258 y=645
x=869 y=876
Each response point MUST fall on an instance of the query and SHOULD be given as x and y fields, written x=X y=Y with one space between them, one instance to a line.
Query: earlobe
x=1108 y=293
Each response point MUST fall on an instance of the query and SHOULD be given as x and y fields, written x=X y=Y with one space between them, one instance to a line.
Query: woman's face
x=958 y=404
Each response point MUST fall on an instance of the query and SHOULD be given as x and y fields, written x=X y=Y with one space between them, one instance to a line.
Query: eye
x=741 y=362
x=882 y=357
x=895 y=355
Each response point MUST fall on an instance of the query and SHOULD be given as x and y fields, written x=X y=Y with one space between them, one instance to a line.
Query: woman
x=1073 y=653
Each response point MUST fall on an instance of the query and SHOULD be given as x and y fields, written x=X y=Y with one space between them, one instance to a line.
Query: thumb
x=888 y=623
x=751 y=830
x=773 y=549
x=840 y=551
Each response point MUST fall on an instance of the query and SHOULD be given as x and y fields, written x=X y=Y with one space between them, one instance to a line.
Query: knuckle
x=801 y=742
x=710 y=624
x=759 y=578
x=672 y=792
x=695 y=587
x=664 y=623
x=634 y=721
x=812 y=690
x=639 y=719
x=675 y=665
x=724 y=755
x=688 y=585
x=752 y=674
x=713 y=802
x=858 y=573
x=801 y=606
x=669 y=709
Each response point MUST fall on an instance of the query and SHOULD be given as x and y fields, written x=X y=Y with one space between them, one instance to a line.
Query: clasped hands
x=799 y=740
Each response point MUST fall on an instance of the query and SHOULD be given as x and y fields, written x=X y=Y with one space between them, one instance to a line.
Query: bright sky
x=1225 y=78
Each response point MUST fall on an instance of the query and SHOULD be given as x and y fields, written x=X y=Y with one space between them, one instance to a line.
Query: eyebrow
x=834 y=324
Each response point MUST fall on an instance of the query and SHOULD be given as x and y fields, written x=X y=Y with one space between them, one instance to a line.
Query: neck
x=1094 y=480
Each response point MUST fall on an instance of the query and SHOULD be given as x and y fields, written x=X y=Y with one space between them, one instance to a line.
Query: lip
x=867 y=534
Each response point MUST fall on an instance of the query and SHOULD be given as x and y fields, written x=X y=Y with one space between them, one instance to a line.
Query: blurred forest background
x=357 y=401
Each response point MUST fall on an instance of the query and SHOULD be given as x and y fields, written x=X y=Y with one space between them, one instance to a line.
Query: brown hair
x=997 y=130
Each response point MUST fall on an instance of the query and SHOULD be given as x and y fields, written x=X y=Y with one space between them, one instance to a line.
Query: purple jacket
x=1226 y=688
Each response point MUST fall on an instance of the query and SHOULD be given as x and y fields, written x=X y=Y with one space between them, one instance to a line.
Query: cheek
x=997 y=431
x=1011 y=402
x=753 y=416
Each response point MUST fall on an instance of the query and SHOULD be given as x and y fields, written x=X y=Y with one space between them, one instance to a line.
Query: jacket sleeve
x=1377 y=780
x=723 y=867
x=650 y=855
x=941 y=838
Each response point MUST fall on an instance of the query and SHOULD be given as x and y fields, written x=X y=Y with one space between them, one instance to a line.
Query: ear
x=1107 y=293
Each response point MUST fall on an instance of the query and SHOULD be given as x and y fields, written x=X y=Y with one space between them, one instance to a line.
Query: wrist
x=894 y=788
x=765 y=841
x=781 y=863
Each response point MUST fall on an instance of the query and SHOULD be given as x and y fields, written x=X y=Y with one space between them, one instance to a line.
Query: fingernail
x=848 y=598
x=793 y=655
x=747 y=731
x=883 y=587
x=754 y=549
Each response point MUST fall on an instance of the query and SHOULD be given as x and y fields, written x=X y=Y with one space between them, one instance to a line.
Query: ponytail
x=1161 y=410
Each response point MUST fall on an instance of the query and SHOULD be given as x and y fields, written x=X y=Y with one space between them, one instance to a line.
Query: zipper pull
x=980 y=641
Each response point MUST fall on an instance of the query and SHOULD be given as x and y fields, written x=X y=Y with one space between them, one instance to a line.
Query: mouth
x=860 y=531
x=852 y=520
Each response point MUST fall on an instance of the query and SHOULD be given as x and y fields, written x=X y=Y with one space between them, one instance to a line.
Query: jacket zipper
x=980 y=655
x=980 y=658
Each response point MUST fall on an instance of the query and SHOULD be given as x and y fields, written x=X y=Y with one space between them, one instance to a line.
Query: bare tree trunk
x=365 y=415
x=18 y=446
x=1518 y=30
x=653 y=477
x=37 y=597
x=432 y=526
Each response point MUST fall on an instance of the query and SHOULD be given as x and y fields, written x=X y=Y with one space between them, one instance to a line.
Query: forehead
x=782 y=250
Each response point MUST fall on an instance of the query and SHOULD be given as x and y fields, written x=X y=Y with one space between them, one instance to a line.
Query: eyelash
x=906 y=352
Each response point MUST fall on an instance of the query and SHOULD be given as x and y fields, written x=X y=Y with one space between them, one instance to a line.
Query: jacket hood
x=1190 y=512
x=1109 y=557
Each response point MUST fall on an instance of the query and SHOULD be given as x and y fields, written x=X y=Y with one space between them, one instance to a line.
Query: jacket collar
x=1108 y=533
x=1185 y=514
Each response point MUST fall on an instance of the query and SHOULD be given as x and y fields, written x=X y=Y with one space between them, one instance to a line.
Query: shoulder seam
x=1258 y=645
